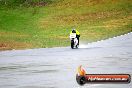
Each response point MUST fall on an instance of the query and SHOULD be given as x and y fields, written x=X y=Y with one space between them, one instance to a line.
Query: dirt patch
x=76 y=18
x=38 y=4
x=6 y=34
x=79 y=3
x=2 y=45
x=13 y=45
x=117 y=22
x=86 y=17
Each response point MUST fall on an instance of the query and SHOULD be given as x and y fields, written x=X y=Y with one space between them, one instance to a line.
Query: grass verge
x=49 y=25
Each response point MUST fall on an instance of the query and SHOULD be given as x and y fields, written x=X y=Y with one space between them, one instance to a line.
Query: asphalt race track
x=57 y=67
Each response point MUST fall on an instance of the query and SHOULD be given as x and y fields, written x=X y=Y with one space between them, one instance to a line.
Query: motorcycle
x=74 y=41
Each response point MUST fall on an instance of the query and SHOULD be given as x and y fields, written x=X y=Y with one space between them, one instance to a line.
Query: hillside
x=47 y=23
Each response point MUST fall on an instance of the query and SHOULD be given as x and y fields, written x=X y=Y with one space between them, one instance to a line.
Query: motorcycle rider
x=77 y=34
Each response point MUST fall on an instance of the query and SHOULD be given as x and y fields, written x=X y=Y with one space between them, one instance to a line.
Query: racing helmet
x=73 y=30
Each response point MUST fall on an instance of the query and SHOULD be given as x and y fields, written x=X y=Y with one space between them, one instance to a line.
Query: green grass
x=26 y=26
